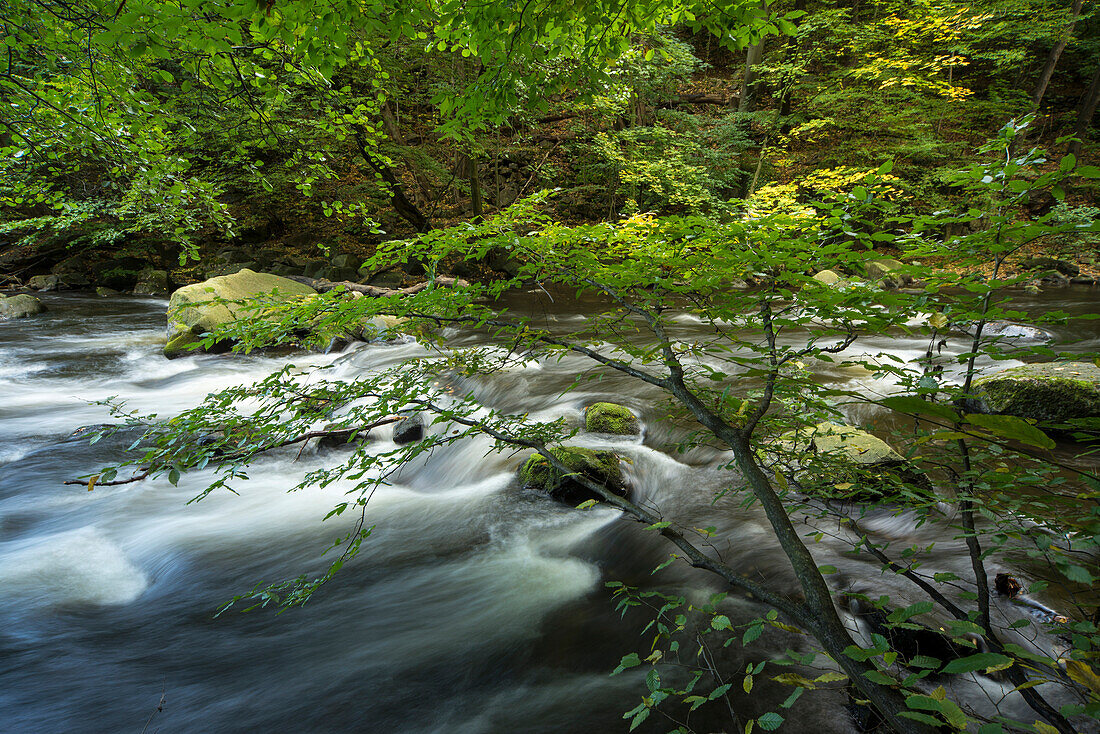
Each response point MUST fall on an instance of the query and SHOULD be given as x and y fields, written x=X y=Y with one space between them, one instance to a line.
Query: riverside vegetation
x=677 y=244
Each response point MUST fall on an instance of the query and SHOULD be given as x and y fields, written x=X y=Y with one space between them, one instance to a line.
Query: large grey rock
x=152 y=283
x=44 y=283
x=347 y=261
x=20 y=306
x=1047 y=391
x=193 y=312
x=1012 y=330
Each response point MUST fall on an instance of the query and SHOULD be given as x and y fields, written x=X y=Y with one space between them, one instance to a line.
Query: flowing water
x=476 y=605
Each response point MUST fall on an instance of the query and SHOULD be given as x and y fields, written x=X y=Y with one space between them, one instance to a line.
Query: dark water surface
x=476 y=606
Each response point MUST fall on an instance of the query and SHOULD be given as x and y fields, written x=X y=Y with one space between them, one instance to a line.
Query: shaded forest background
x=268 y=164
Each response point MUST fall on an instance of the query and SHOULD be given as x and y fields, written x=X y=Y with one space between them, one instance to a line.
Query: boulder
x=106 y=292
x=1046 y=391
x=387 y=279
x=152 y=283
x=610 y=418
x=44 y=283
x=75 y=280
x=347 y=261
x=828 y=277
x=1014 y=331
x=849 y=463
x=20 y=306
x=600 y=467
x=408 y=429
x=1051 y=264
x=192 y=311
x=888 y=271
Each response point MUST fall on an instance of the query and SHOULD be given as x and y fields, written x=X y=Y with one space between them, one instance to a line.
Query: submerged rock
x=193 y=312
x=600 y=467
x=20 y=306
x=1047 y=391
x=1014 y=331
x=610 y=418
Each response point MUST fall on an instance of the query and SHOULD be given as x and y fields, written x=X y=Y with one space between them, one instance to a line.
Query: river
x=476 y=606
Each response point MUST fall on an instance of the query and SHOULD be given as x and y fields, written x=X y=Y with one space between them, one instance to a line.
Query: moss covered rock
x=610 y=418
x=20 y=306
x=193 y=310
x=600 y=467
x=1049 y=391
x=828 y=277
x=152 y=282
x=850 y=463
x=889 y=272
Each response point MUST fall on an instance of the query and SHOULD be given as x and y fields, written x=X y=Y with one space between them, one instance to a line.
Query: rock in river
x=600 y=467
x=20 y=306
x=610 y=418
x=1046 y=391
x=193 y=310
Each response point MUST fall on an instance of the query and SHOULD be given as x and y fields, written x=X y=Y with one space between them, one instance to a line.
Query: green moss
x=1051 y=391
x=610 y=418
x=601 y=467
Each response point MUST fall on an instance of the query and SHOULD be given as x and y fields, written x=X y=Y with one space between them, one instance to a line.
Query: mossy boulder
x=891 y=273
x=846 y=462
x=600 y=467
x=610 y=418
x=152 y=282
x=20 y=306
x=193 y=310
x=1051 y=264
x=828 y=277
x=1048 y=392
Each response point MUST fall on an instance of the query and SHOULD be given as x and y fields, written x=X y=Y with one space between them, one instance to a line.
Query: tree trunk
x=752 y=58
x=1055 y=54
x=401 y=204
x=393 y=130
x=475 y=189
x=1087 y=110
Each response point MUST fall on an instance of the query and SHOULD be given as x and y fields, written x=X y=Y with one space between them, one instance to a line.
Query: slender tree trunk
x=752 y=58
x=401 y=204
x=393 y=131
x=475 y=189
x=1087 y=110
x=1055 y=53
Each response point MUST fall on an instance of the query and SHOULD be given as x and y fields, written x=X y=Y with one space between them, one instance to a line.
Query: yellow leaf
x=92 y=481
x=1083 y=674
x=1044 y=728
x=830 y=677
x=844 y=485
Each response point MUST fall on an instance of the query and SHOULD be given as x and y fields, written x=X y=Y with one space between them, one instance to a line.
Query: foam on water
x=82 y=566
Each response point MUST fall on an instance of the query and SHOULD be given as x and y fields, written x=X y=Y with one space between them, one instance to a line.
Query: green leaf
x=900 y=615
x=916 y=406
x=1012 y=428
x=770 y=721
x=981 y=661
